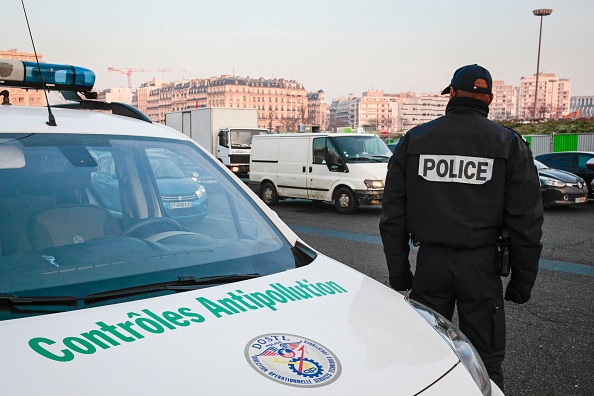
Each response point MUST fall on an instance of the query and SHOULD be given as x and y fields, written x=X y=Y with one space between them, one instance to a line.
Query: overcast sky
x=340 y=47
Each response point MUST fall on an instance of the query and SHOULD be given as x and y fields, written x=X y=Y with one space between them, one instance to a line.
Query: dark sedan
x=559 y=187
x=572 y=161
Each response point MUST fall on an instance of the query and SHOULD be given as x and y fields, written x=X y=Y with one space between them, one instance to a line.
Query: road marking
x=551 y=265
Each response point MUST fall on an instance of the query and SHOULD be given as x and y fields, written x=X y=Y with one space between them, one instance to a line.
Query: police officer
x=455 y=184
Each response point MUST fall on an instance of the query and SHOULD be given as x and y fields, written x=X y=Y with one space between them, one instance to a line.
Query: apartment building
x=417 y=110
x=553 y=96
x=317 y=111
x=123 y=95
x=374 y=110
x=505 y=101
x=585 y=104
x=338 y=113
x=141 y=96
x=23 y=97
x=378 y=111
x=282 y=104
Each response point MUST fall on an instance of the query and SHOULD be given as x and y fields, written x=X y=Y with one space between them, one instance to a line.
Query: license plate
x=180 y=205
x=582 y=199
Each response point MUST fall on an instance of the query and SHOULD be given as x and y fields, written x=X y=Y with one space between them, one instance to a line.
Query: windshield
x=362 y=148
x=242 y=138
x=83 y=214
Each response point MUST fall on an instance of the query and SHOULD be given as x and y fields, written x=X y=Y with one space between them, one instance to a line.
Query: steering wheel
x=151 y=226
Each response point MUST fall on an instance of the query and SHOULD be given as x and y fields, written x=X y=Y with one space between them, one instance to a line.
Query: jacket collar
x=467 y=106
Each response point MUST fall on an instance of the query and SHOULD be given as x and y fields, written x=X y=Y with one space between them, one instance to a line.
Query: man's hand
x=402 y=281
x=512 y=293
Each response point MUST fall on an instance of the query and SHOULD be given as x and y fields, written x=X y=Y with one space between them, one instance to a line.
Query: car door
x=326 y=167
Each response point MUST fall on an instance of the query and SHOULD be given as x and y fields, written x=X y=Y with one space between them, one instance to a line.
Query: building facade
x=123 y=95
x=317 y=111
x=23 y=97
x=585 y=105
x=553 y=97
x=374 y=111
x=282 y=104
x=505 y=101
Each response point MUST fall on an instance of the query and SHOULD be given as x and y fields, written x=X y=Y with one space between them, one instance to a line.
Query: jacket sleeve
x=392 y=225
x=523 y=218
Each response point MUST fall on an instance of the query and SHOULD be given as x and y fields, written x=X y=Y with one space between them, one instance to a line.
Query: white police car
x=102 y=299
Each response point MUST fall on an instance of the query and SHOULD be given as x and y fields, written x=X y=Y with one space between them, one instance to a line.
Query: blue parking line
x=550 y=265
x=561 y=266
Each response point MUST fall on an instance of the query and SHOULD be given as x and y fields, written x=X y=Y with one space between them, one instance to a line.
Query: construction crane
x=130 y=70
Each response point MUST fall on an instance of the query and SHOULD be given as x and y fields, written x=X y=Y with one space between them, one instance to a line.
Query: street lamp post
x=542 y=12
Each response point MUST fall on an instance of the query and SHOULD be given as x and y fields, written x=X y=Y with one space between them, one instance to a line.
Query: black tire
x=268 y=194
x=345 y=201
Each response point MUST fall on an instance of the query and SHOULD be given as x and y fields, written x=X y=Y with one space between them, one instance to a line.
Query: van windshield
x=362 y=148
x=84 y=214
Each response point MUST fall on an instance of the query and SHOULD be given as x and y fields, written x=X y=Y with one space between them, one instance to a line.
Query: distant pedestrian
x=455 y=185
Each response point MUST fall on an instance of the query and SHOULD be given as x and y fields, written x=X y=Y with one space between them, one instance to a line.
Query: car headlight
x=459 y=344
x=201 y=191
x=374 y=183
x=548 y=181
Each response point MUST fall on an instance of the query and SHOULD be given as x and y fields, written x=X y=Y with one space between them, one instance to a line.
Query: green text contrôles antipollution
x=146 y=322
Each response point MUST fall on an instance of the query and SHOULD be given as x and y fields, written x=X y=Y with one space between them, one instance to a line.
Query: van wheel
x=268 y=194
x=345 y=201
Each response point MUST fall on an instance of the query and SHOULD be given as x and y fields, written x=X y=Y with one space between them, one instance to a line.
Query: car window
x=583 y=159
x=86 y=214
x=559 y=161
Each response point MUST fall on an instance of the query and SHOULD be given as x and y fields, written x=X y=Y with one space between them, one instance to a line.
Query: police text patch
x=455 y=169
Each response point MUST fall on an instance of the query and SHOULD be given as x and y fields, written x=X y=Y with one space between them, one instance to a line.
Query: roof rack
x=117 y=108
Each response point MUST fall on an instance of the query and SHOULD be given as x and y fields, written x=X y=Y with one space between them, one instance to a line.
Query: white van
x=344 y=168
x=132 y=261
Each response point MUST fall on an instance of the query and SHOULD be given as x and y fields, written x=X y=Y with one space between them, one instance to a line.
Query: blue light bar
x=56 y=77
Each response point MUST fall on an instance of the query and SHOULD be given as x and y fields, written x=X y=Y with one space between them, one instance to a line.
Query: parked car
x=111 y=297
x=392 y=146
x=559 y=187
x=181 y=195
x=574 y=162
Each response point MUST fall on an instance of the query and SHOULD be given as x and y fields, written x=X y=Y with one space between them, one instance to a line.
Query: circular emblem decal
x=292 y=360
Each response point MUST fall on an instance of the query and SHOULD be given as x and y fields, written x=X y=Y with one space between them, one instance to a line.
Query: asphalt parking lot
x=550 y=348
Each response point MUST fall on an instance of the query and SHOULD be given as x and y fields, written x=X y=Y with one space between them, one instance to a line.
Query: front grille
x=239 y=159
x=177 y=198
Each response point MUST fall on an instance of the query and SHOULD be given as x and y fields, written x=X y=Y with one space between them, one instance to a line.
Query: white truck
x=225 y=132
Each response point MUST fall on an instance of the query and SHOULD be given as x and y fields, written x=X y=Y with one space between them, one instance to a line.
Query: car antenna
x=51 y=120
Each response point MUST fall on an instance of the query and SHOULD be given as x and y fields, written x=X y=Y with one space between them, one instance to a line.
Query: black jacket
x=458 y=181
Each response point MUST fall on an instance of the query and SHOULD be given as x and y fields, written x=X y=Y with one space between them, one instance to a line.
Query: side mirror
x=590 y=164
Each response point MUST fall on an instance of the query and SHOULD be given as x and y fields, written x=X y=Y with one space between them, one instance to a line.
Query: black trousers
x=446 y=277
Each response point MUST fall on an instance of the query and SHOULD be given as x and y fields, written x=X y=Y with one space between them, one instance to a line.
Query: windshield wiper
x=183 y=283
x=11 y=299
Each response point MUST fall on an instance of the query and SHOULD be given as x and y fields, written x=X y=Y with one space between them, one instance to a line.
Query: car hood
x=562 y=175
x=366 y=335
x=177 y=186
x=373 y=170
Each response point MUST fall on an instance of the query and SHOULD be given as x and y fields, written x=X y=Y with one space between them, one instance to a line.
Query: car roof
x=314 y=134
x=564 y=152
x=22 y=119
